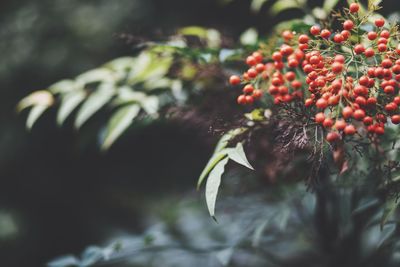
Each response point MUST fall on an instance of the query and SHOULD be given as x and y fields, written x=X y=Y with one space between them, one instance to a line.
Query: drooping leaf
x=223 y=142
x=34 y=115
x=239 y=156
x=94 y=102
x=68 y=103
x=214 y=160
x=212 y=185
x=118 y=123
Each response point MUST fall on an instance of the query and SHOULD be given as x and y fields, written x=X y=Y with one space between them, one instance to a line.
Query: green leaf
x=102 y=75
x=223 y=141
x=118 y=123
x=194 y=31
x=213 y=161
x=391 y=205
x=212 y=185
x=94 y=102
x=239 y=156
x=282 y=5
x=256 y=5
x=68 y=103
x=34 y=115
x=387 y=232
x=329 y=5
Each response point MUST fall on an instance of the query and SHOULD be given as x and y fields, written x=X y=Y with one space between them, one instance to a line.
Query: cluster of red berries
x=348 y=79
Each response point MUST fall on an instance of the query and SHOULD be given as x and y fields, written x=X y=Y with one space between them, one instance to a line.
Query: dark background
x=58 y=193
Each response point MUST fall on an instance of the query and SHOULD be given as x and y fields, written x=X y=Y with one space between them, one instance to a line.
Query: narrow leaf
x=238 y=155
x=212 y=185
x=387 y=232
x=38 y=98
x=329 y=5
x=34 y=115
x=68 y=104
x=118 y=123
x=282 y=5
x=391 y=205
x=94 y=102
x=256 y=5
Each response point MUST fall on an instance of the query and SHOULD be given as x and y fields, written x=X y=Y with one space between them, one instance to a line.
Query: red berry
x=372 y=35
x=385 y=34
x=251 y=61
x=290 y=76
x=249 y=99
x=368 y=120
x=395 y=119
x=338 y=38
x=347 y=112
x=340 y=125
x=337 y=67
x=241 y=99
x=379 y=22
x=303 y=39
x=234 y=80
x=325 y=34
x=348 y=25
x=369 y=52
x=319 y=117
x=257 y=94
x=277 y=56
x=287 y=35
x=248 y=89
x=252 y=73
x=321 y=103
x=350 y=129
x=332 y=137
x=315 y=30
x=257 y=56
x=386 y=63
x=359 y=49
x=328 y=123
x=354 y=7
x=359 y=114
x=339 y=58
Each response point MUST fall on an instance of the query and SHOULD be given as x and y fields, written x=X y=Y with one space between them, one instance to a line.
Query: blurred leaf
x=212 y=185
x=118 y=123
x=259 y=232
x=38 y=98
x=391 y=205
x=373 y=5
x=67 y=261
x=224 y=256
x=319 y=13
x=194 y=31
x=282 y=5
x=238 y=155
x=64 y=86
x=34 y=115
x=249 y=37
x=68 y=103
x=387 y=232
x=256 y=5
x=91 y=255
x=366 y=205
x=94 y=102
x=329 y=5
x=97 y=75
x=150 y=105
x=256 y=115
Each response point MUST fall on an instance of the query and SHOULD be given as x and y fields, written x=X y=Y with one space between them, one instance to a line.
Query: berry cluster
x=348 y=79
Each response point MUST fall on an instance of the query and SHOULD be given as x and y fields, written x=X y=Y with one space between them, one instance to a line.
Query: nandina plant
x=333 y=88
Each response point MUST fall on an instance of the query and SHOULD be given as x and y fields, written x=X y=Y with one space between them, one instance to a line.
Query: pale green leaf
x=38 y=98
x=94 y=102
x=373 y=4
x=223 y=141
x=64 y=86
x=150 y=105
x=239 y=156
x=329 y=5
x=68 y=103
x=212 y=185
x=34 y=115
x=282 y=5
x=194 y=31
x=213 y=161
x=102 y=75
x=249 y=37
x=118 y=123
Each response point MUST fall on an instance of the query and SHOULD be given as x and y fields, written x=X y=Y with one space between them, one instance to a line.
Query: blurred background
x=58 y=193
